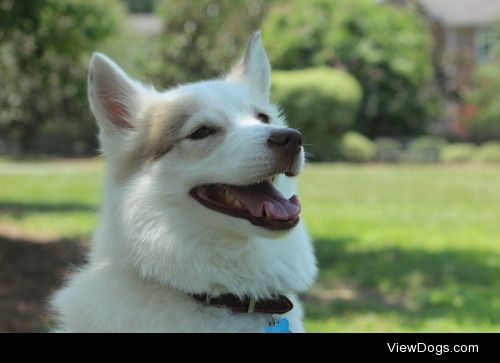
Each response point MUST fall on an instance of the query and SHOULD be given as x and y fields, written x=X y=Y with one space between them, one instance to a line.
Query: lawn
x=400 y=247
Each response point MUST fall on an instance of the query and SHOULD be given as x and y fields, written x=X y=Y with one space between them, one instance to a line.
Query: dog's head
x=216 y=152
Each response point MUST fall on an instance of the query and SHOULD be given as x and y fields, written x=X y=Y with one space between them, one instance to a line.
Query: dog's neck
x=177 y=253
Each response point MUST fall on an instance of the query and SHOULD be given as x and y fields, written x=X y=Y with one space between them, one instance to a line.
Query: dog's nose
x=289 y=139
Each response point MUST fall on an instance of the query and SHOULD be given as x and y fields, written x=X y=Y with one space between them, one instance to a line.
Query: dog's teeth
x=265 y=214
x=228 y=198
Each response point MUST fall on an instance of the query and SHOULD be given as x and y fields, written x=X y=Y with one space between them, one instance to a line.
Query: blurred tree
x=44 y=50
x=485 y=121
x=203 y=38
x=387 y=49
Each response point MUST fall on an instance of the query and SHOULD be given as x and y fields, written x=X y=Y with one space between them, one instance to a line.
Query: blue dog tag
x=281 y=326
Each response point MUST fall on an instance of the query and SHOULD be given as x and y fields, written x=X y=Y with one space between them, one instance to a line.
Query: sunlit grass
x=401 y=247
x=404 y=248
x=56 y=198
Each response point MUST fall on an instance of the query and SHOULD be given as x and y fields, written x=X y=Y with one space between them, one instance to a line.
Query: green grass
x=401 y=248
x=404 y=248
x=57 y=198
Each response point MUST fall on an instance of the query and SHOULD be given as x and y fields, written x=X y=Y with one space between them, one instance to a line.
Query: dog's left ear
x=254 y=68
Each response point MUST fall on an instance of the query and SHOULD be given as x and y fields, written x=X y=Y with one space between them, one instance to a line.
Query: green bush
x=425 y=149
x=321 y=103
x=388 y=149
x=489 y=152
x=357 y=148
x=458 y=153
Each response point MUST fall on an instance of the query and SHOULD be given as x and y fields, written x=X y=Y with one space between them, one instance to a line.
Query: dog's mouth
x=260 y=203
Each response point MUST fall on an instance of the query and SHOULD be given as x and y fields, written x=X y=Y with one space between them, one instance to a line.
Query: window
x=485 y=40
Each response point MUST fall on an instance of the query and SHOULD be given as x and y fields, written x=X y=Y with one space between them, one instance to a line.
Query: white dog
x=200 y=227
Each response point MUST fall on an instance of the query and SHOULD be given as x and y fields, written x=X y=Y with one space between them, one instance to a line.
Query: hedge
x=321 y=103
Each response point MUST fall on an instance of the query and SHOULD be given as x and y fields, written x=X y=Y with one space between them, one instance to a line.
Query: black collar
x=278 y=305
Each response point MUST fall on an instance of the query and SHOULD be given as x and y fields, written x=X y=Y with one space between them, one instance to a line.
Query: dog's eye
x=201 y=133
x=263 y=117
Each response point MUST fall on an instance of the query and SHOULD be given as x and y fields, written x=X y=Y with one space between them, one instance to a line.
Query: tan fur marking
x=157 y=134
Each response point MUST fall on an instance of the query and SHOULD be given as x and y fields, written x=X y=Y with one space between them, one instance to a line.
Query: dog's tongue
x=264 y=196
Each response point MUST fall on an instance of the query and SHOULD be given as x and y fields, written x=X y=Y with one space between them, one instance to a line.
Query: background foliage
x=45 y=46
x=44 y=51
x=203 y=38
x=485 y=124
x=386 y=48
x=320 y=102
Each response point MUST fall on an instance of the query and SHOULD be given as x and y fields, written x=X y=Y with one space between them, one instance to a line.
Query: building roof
x=463 y=12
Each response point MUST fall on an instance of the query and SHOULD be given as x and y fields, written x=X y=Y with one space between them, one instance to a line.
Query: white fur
x=155 y=244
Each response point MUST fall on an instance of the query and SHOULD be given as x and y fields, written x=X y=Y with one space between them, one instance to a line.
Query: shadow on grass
x=19 y=209
x=29 y=274
x=415 y=284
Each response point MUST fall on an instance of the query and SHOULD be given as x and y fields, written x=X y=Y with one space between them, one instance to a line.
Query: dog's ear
x=254 y=68
x=114 y=97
